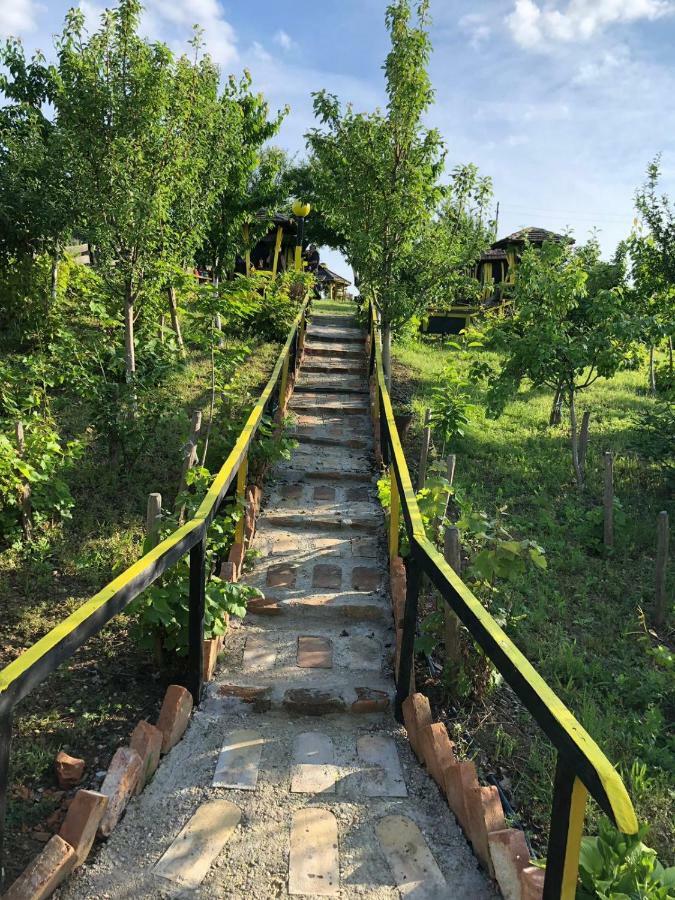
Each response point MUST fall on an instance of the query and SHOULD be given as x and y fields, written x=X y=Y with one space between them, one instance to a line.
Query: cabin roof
x=492 y=255
x=533 y=235
x=326 y=274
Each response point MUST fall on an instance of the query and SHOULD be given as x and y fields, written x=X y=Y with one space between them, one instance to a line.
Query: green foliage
x=655 y=438
x=615 y=866
x=450 y=408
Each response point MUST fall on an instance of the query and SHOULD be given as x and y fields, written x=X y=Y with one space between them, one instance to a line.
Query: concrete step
x=305 y=459
x=328 y=384
x=333 y=365
x=316 y=437
x=336 y=335
x=340 y=351
x=322 y=403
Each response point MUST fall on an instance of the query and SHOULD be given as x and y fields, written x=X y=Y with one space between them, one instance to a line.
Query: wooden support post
x=153 y=518
x=283 y=384
x=451 y=463
x=564 y=843
x=608 y=500
x=277 y=247
x=25 y=503
x=424 y=453
x=242 y=475
x=662 y=537
x=5 y=745
x=394 y=515
x=453 y=556
x=196 y=621
x=406 y=666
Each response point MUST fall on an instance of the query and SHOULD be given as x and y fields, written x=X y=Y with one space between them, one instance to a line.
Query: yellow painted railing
x=582 y=768
x=29 y=670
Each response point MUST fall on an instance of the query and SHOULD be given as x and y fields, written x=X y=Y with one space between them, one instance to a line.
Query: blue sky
x=561 y=102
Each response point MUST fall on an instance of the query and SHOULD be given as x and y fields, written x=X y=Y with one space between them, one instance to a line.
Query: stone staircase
x=293 y=778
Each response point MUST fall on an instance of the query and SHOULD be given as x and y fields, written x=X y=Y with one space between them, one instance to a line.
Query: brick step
x=344 y=386
x=321 y=520
x=310 y=436
x=291 y=473
x=333 y=366
x=333 y=320
x=338 y=350
x=320 y=694
x=325 y=464
x=318 y=568
x=301 y=651
x=322 y=403
x=337 y=336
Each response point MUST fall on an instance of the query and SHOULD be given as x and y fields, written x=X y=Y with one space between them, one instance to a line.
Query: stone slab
x=415 y=871
x=313 y=764
x=313 y=867
x=189 y=857
x=315 y=652
x=382 y=776
x=239 y=760
x=260 y=652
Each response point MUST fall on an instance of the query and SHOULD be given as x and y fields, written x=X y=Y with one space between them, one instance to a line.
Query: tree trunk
x=386 y=354
x=175 y=323
x=54 y=277
x=575 y=440
x=652 y=371
x=129 y=345
x=583 y=440
x=556 y=410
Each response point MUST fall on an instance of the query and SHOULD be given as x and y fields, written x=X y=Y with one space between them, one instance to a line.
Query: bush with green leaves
x=615 y=866
x=450 y=408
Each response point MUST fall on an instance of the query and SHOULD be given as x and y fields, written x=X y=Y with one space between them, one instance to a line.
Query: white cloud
x=603 y=65
x=477 y=27
x=284 y=40
x=168 y=21
x=18 y=17
x=538 y=27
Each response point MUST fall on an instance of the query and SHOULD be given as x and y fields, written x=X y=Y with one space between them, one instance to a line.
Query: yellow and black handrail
x=582 y=768
x=30 y=669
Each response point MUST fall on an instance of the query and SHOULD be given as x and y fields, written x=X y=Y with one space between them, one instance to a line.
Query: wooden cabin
x=495 y=270
x=331 y=285
x=275 y=251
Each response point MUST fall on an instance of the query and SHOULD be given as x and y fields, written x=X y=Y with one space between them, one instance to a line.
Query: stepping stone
x=365 y=547
x=413 y=867
x=291 y=491
x=324 y=492
x=313 y=702
x=326 y=576
x=384 y=777
x=189 y=858
x=365 y=578
x=239 y=760
x=313 y=866
x=260 y=652
x=281 y=576
x=315 y=652
x=362 y=652
x=313 y=764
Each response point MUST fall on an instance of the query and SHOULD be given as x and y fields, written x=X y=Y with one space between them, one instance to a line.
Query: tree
x=561 y=334
x=378 y=173
x=651 y=248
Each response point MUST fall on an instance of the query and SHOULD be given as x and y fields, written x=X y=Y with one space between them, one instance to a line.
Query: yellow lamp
x=300 y=209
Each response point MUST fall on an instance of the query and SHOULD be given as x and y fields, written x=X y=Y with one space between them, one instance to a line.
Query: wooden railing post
x=196 y=620
x=407 y=655
x=394 y=514
x=564 y=843
x=242 y=475
x=5 y=744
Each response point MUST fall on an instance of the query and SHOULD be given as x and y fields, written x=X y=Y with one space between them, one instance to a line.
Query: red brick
x=459 y=780
x=416 y=716
x=438 y=751
x=291 y=491
x=282 y=576
x=254 y=496
x=236 y=556
x=174 y=715
x=228 y=571
x=118 y=786
x=263 y=606
x=249 y=522
x=485 y=814
x=45 y=873
x=532 y=883
x=365 y=578
x=326 y=576
x=210 y=657
x=324 y=493
x=315 y=652
x=510 y=855
x=369 y=700
x=69 y=770
x=398 y=588
x=146 y=740
x=258 y=697
x=82 y=820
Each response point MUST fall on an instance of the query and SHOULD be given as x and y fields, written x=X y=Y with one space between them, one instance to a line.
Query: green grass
x=582 y=621
x=89 y=706
x=334 y=307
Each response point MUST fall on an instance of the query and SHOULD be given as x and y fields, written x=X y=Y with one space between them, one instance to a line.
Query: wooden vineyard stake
x=662 y=537
x=608 y=501
x=424 y=453
x=189 y=455
x=153 y=518
x=25 y=503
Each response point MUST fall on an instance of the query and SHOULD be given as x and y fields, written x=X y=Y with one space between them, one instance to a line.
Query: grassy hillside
x=584 y=622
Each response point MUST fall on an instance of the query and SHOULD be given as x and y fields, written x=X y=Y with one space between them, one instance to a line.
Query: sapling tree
x=378 y=172
x=560 y=335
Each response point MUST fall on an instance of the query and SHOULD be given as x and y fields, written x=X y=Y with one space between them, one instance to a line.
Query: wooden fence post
x=661 y=566
x=25 y=504
x=424 y=453
x=608 y=500
x=453 y=556
x=153 y=518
